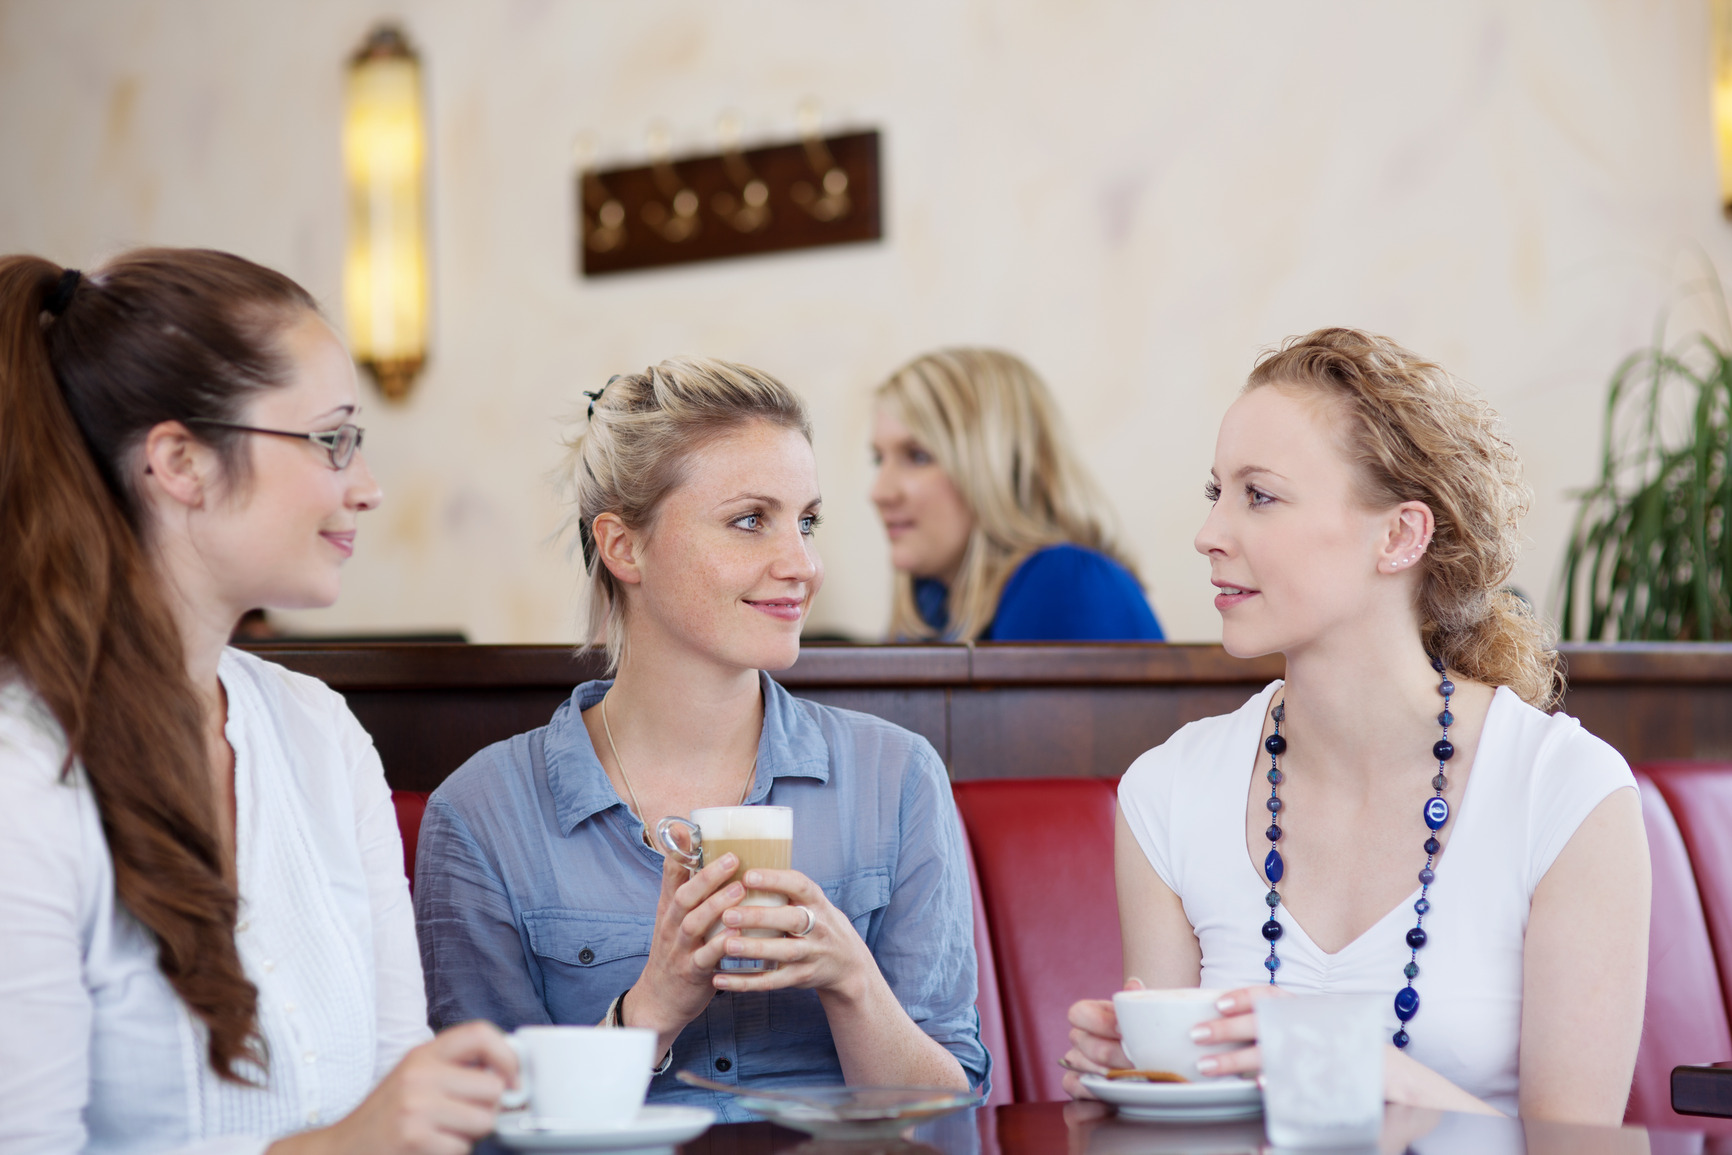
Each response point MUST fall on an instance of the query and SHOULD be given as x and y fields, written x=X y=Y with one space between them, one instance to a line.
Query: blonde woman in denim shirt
x=539 y=898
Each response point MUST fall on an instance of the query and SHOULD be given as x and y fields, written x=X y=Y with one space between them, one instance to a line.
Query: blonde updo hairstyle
x=1417 y=434
x=991 y=425
x=641 y=433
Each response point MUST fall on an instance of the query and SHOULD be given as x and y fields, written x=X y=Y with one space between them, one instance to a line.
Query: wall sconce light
x=1722 y=33
x=385 y=285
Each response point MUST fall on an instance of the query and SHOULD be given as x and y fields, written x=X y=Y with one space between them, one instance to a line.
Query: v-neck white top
x=1535 y=778
x=97 y=1052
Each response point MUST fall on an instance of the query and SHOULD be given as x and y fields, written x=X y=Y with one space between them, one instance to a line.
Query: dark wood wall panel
x=1072 y=731
x=992 y=711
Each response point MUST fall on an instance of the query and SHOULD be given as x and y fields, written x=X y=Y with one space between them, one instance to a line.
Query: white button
x=268 y=966
x=312 y=1116
x=310 y=1056
x=241 y=926
x=289 y=1008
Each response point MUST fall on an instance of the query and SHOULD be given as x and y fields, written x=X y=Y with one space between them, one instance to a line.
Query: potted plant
x=1650 y=557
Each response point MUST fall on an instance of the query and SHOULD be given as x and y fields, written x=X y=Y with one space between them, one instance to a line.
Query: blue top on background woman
x=995 y=527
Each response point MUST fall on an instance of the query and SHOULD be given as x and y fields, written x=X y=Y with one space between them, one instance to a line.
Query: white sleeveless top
x=1535 y=778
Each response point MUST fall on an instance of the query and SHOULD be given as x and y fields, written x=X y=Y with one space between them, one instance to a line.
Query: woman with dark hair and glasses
x=208 y=941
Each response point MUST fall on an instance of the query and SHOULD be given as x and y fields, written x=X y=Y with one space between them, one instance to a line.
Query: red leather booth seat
x=1685 y=1017
x=1044 y=851
x=411 y=805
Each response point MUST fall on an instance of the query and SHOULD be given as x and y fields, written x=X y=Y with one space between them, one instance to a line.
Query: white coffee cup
x=581 y=1078
x=1156 y=1025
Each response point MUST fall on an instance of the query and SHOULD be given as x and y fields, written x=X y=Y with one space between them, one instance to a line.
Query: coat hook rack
x=732 y=203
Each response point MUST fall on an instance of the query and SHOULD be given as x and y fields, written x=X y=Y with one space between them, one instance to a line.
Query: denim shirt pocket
x=586 y=958
x=858 y=896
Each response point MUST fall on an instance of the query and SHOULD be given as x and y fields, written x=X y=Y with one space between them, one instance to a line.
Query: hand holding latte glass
x=780 y=930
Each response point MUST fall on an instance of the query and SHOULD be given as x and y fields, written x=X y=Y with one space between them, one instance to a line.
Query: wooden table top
x=1092 y=1129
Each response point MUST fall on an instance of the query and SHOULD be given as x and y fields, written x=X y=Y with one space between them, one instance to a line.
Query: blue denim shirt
x=535 y=895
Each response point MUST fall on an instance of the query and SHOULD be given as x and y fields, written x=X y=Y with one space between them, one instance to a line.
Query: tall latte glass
x=761 y=837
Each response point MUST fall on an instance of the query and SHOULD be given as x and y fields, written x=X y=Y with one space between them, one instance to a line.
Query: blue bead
x=1439 y=783
x=1443 y=749
x=1436 y=813
x=1276 y=777
x=1271 y=930
x=1275 y=744
x=1273 y=963
x=1274 y=805
x=1273 y=867
x=1406 y=1003
x=1432 y=846
x=1411 y=970
x=1273 y=834
x=1280 y=714
x=1416 y=939
x=1446 y=719
x=1273 y=898
x=1437 y=664
x=1427 y=876
x=1446 y=687
x=1400 y=1040
x=1422 y=907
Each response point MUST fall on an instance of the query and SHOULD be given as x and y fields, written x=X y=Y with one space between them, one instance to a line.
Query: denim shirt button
x=723 y=1064
x=585 y=955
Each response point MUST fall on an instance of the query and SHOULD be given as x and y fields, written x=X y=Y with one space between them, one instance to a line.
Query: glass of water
x=1322 y=1069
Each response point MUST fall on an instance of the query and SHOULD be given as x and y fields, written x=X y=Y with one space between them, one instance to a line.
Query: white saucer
x=1213 y=1101
x=662 y=1126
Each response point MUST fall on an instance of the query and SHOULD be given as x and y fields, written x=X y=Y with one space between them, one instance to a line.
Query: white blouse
x=1535 y=778
x=97 y=1053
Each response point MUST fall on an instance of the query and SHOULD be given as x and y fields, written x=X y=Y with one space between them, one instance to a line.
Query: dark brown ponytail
x=156 y=335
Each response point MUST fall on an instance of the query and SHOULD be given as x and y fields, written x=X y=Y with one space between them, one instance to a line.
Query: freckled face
x=1292 y=550
x=279 y=539
x=729 y=566
x=925 y=516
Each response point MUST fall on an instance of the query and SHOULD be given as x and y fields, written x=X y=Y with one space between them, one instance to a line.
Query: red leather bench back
x=1044 y=851
x=991 y=1009
x=1684 y=1020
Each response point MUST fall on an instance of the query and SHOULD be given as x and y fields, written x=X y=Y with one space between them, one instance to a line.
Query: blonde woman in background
x=1401 y=815
x=995 y=528
x=540 y=900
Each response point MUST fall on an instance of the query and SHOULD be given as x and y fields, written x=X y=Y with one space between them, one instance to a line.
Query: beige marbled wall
x=1137 y=195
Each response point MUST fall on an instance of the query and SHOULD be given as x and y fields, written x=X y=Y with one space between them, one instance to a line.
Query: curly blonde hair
x=641 y=432
x=1417 y=434
x=990 y=422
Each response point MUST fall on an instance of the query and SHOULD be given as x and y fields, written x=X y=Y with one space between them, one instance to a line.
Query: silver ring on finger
x=810 y=923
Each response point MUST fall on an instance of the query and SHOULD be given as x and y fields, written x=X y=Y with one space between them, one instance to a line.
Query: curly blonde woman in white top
x=1363 y=523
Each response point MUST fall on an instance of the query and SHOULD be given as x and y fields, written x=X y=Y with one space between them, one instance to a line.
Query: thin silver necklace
x=637 y=807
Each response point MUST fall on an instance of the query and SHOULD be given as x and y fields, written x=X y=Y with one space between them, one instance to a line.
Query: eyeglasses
x=341 y=442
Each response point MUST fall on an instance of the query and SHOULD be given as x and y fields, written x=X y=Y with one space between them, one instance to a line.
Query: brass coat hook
x=834 y=202
x=747 y=205
x=682 y=224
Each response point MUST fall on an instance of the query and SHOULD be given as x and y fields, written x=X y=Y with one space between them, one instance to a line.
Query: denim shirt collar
x=791 y=745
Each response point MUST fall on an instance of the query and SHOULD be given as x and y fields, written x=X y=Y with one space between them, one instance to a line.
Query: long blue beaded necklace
x=1436 y=813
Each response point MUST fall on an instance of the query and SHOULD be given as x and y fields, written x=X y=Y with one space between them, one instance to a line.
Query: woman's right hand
x=1095 y=1044
x=678 y=980
x=440 y=1099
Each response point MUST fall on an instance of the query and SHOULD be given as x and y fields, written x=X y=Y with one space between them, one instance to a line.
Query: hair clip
x=60 y=295
x=596 y=396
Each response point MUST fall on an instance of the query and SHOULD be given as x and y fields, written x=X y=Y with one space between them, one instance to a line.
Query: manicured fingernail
x=735 y=890
x=736 y=946
x=1199 y=1034
x=753 y=878
x=1208 y=1066
x=731 y=917
x=1224 y=1003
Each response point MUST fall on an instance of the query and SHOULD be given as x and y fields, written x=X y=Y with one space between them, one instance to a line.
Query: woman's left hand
x=830 y=957
x=1237 y=1024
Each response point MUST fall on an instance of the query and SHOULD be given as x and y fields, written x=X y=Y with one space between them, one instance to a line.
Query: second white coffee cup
x=1156 y=1025
x=581 y=1078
